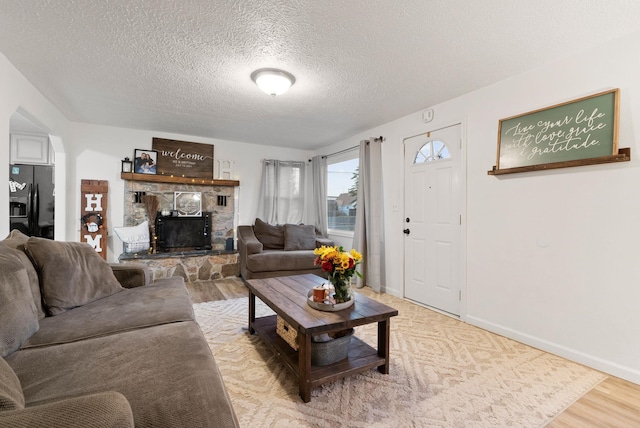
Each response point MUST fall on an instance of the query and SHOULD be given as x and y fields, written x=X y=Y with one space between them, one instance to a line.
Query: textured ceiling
x=183 y=66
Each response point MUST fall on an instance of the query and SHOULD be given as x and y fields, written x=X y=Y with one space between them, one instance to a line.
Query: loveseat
x=80 y=350
x=268 y=251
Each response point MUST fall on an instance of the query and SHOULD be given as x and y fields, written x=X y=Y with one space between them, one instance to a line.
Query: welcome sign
x=183 y=159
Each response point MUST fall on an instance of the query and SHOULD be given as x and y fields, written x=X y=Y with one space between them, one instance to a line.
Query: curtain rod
x=281 y=161
x=341 y=151
x=380 y=138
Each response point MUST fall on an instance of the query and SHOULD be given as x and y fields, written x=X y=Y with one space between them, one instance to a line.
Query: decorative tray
x=327 y=305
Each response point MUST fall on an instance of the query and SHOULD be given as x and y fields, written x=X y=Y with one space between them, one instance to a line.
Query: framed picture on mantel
x=184 y=159
x=145 y=161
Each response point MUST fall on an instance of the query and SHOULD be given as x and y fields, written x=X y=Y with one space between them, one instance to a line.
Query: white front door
x=433 y=219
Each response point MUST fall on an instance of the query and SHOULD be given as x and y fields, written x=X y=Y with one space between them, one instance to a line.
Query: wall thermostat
x=427 y=115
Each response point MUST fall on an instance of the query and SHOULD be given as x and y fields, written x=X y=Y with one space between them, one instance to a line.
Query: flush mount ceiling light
x=273 y=81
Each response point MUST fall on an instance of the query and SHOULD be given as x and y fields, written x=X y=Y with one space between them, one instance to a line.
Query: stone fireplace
x=223 y=217
x=219 y=201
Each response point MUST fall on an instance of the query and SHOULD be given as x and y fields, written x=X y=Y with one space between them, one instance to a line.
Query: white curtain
x=319 y=181
x=282 y=192
x=368 y=234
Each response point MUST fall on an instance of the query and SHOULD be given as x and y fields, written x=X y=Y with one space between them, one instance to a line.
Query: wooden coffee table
x=287 y=297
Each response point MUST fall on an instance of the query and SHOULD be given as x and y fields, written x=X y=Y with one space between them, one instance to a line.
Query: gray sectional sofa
x=78 y=349
x=268 y=251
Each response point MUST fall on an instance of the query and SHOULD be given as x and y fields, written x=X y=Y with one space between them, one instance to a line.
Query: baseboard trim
x=392 y=292
x=606 y=366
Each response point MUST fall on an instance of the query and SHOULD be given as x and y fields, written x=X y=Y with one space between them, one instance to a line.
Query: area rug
x=443 y=373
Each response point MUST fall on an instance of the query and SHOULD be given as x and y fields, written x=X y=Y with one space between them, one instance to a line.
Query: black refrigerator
x=31 y=199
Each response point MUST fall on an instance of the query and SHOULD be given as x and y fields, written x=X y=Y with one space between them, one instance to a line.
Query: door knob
x=407 y=231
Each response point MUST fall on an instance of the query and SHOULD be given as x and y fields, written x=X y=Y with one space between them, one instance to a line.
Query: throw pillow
x=72 y=274
x=299 y=237
x=135 y=238
x=11 y=396
x=16 y=240
x=271 y=237
x=18 y=314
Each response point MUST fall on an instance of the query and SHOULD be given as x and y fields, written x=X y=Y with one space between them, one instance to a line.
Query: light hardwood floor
x=612 y=403
x=221 y=289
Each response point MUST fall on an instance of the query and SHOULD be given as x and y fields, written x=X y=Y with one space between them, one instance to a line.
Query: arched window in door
x=431 y=151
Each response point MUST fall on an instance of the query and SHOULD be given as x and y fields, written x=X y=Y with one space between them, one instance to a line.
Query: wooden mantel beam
x=152 y=178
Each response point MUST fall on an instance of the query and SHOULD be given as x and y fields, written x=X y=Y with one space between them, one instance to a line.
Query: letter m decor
x=93 y=214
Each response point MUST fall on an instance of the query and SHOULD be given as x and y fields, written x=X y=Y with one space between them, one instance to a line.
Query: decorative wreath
x=92 y=222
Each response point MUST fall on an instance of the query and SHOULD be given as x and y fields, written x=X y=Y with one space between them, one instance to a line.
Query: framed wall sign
x=188 y=204
x=145 y=161
x=560 y=135
x=184 y=159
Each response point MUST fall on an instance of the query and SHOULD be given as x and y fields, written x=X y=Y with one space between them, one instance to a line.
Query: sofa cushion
x=271 y=237
x=18 y=314
x=299 y=237
x=72 y=274
x=165 y=301
x=273 y=260
x=103 y=410
x=167 y=374
x=17 y=239
x=11 y=397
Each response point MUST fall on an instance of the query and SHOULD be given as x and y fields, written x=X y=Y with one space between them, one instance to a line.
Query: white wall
x=95 y=153
x=578 y=297
x=17 y=92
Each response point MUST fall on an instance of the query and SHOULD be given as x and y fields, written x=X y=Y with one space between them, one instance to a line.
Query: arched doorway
x=35 y=177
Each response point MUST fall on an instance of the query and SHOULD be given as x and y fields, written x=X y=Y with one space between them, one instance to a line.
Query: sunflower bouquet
x=340 y=266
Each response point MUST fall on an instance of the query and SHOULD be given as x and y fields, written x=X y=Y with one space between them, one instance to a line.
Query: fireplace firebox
x=183 y=233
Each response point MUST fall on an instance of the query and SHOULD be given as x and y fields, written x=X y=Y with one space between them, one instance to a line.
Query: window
x=282 y=192
x=342 y=191
x=432 y=151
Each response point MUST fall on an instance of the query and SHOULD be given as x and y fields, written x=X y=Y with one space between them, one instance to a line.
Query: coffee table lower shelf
x=361 y=356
